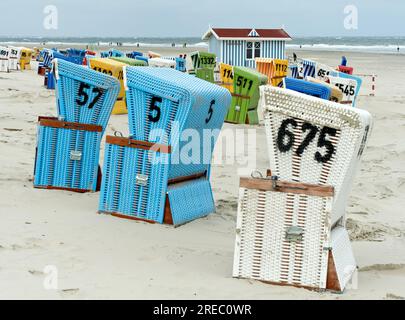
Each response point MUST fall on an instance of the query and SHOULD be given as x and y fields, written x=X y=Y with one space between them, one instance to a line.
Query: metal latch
x=237 y=108
x=75 y=155
x=295 y=234
x=142 y=180
x=274 y=180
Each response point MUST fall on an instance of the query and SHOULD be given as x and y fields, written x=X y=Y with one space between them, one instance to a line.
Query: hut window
x=257 y=49
x=253 y=50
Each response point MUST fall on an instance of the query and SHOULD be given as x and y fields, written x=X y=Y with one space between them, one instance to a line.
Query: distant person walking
x=398 y=49
x=295 y=57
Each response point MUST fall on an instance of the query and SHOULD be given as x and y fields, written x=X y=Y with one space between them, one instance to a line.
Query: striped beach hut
x=240 y=47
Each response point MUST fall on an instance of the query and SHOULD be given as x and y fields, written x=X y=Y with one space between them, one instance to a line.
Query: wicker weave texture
x=332 y=155
x=309 y=88
x=121 y=190
x=84 y=95
x=55 y=165
x=158 y=99
x=190 y=200
x=263 y=251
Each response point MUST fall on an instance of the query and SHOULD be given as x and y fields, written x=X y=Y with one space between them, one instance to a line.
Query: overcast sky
x=162 y=18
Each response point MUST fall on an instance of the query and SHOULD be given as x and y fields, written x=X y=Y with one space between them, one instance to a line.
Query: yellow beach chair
x=274 y=69
x=226 y=76
x=25 y=59
x=116 y=70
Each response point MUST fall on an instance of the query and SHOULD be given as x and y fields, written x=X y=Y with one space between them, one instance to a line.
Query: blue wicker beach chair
x=68 y=147
x=309 y=88
x=67 y=156
x=143 y=58
x=181 y=64
x=77 y=56
x=116 y=53
x=45 y=61
x=134 y=183
x=294 y=71
x=134 y=54
x=309 y=68
x=84 y=95
x=50 y=79
x=162 y=105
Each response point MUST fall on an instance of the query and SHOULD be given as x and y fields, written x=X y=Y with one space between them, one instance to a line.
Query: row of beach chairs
x=15 y=58
x=141 y=178
x=291 y=219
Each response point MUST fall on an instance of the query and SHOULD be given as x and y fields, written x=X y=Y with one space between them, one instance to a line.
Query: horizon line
x=185 y=37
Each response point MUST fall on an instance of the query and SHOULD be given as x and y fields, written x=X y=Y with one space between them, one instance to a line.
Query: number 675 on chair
x=292 y=224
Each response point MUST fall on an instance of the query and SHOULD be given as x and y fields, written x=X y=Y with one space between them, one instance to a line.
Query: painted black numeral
x=242 y=82
x=210 y=112
x=286 y=139
x=323 y=142
x=84 y=96
x=154 y=108
x=283 y=133
x=313 y=130
x=99 y=93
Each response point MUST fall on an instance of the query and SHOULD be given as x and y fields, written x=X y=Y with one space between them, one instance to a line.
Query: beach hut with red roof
x=240 y=47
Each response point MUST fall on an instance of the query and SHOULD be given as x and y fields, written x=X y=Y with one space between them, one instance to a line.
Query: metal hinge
x=294 y=234
x=142 y=180
x=75 y=155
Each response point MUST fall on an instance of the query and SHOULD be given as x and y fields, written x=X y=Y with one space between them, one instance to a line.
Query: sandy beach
x=102 y=257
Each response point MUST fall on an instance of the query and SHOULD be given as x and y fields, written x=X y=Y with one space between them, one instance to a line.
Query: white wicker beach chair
x=291 y=223
x=162 y=63
x=348 y=87
x=315 y=141
x=4 y=59
x=323 y=71
x=14 y=57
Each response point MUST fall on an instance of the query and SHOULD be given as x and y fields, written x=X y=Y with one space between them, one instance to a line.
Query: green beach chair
x=202 y=59
x=203 y=65
x=245 y=98
x=130 y=61
x=206 y=74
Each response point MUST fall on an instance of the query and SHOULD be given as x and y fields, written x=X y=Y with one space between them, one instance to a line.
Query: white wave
x=342 y=47
x=108 y=44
